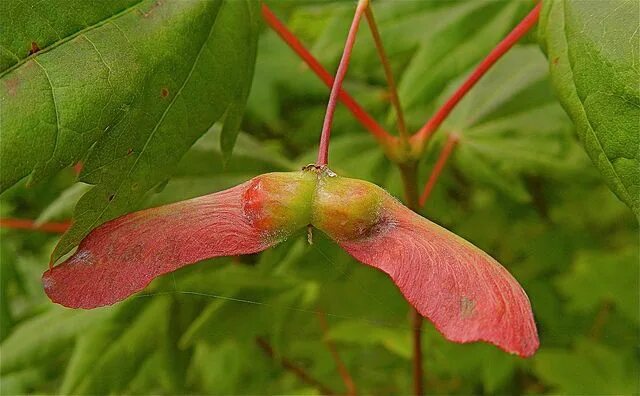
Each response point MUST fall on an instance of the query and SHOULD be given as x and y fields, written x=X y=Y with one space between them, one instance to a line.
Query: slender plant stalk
x=409 y=173
x=342 y=368
x=418 y=368
x=520 y=30
x=378 y=132
x=450 y=144
x=601 y=319
x=27 y=224
x=325 y=134
x=393 y=90
x=293 y=368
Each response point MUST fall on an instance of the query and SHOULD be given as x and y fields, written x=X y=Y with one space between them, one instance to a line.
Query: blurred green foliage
x=518 y=186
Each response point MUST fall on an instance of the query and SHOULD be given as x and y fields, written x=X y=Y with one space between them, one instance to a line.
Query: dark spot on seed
x=467 y=306
x=381 y=225
x=133 y=253
x=164 y=92
x=34 y=48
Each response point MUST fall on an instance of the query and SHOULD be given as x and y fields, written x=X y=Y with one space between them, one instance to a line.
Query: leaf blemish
x=12 y=86
x=111 y=197
x=154 y=6
x=164 y=92
x=34 y=48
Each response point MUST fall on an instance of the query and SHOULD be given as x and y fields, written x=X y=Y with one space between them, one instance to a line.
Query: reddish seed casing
x=466 y=293
x=122 y=256
x=461 y=289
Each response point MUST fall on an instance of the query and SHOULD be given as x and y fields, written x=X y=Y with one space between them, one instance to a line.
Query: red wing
x=122 y=256
x=466 y=294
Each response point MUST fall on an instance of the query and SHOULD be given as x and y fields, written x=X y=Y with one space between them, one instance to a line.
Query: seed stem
x=325 y=135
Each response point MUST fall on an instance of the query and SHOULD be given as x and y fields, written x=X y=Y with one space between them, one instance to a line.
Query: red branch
x=325 y=135
x=293 y=368
x=292 y=41
x=450 y=144
x=26 y=224
x=520 y=30
x=418 y=382
x=342 y=369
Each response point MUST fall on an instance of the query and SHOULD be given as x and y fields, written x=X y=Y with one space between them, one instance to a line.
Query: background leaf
x=593 y=54
x=121 y=94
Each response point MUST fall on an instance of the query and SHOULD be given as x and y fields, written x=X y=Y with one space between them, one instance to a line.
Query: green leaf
x=114 y=368
x=203 y=168
x=20 y=382
x=455 y=41
x=45 y=336
x=510 y=126
x=592 y=47
x=218 y=370
x=589 y=369
x=395 y=340
x=599 y=278
x=129 y=94
x=62 y=207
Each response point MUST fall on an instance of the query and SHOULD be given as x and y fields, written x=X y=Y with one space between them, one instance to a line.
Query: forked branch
x=378 y=132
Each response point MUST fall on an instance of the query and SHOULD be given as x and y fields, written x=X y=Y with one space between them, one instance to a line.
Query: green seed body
x=284 y=202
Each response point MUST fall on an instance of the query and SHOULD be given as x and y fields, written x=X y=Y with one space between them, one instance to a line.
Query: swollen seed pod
x=461 y=289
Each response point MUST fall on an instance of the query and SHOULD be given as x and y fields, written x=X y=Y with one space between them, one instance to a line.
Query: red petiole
x=452 y=141
x=420 y=138
x=26 y=224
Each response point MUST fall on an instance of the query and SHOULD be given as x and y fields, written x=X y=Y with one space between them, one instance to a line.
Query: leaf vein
x=55 y=107
x=70 y=37
x=155 y=129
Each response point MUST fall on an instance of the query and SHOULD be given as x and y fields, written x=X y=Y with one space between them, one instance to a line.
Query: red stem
x=418 y=382
x=292 y=367
x=342 y=368
x=325 y=135
x=520 y=30
x=378 y=132
x=26 y=224
x=452 y=140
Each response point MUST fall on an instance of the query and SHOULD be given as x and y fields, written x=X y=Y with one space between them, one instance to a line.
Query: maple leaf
x=467 y=294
